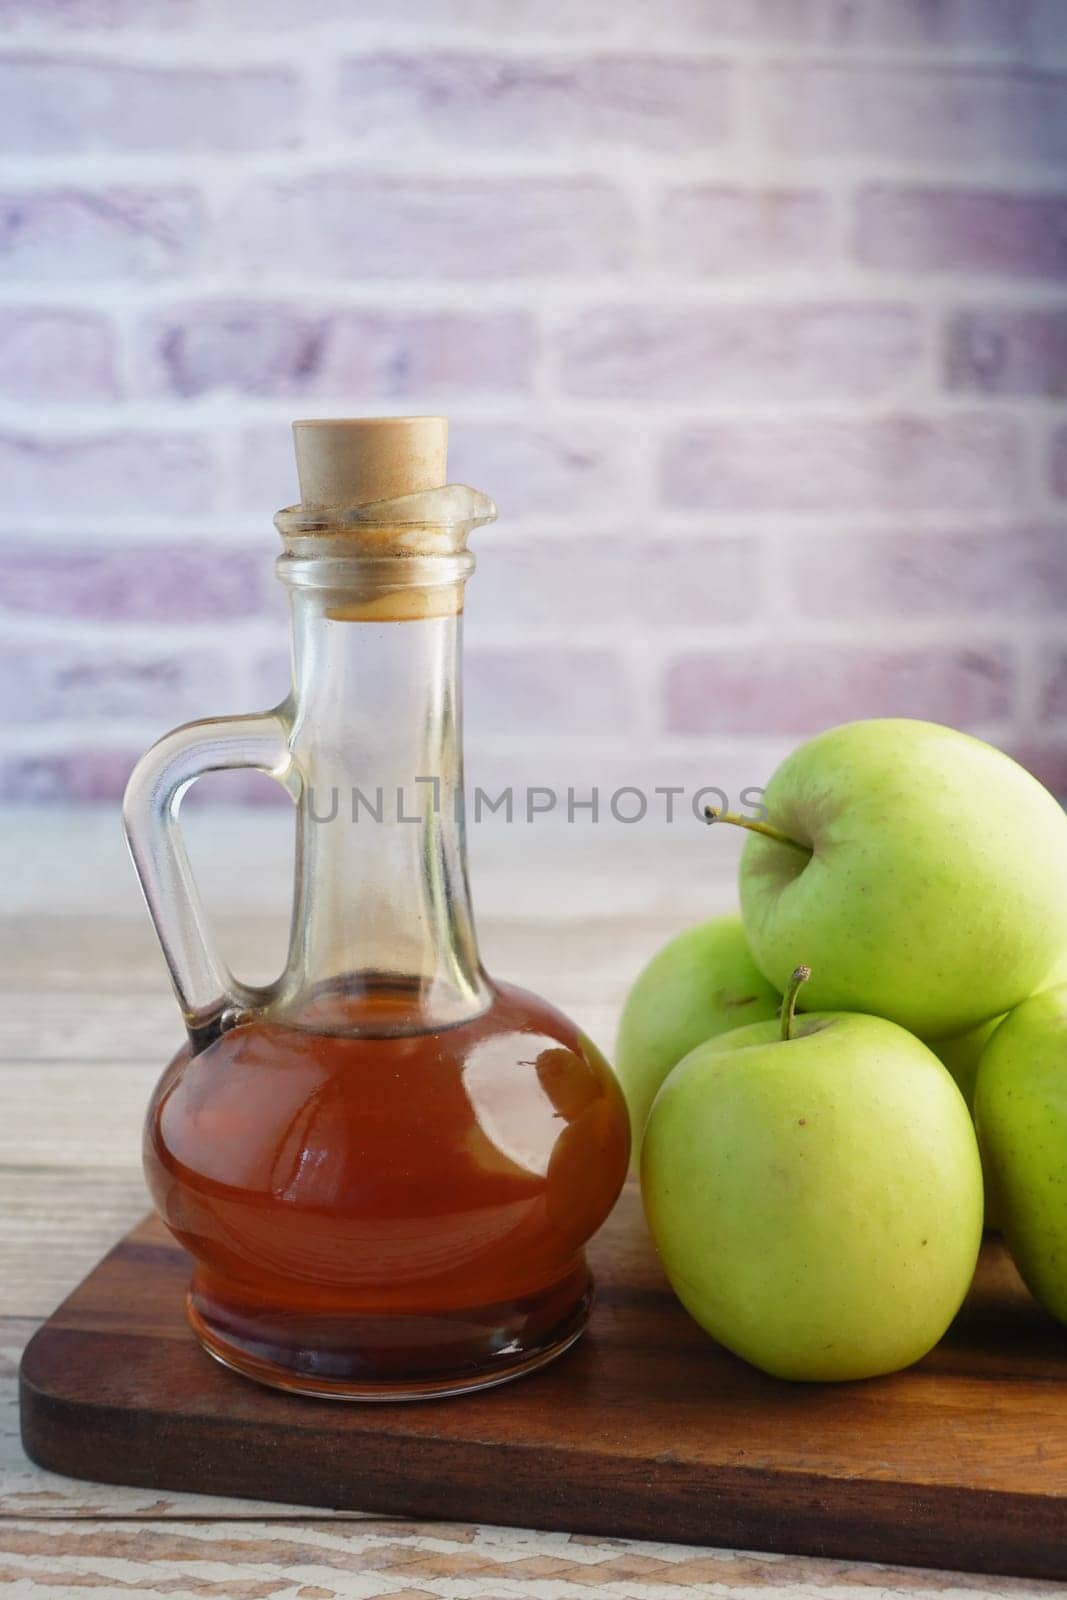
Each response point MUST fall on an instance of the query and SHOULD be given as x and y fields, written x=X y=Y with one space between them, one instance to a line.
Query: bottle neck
x=383 y=935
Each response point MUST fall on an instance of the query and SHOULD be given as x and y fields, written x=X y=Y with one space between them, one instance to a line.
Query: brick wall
x=752 y=314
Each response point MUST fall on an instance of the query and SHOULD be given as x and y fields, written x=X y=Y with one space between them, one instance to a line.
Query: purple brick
x=414 y=19
x=978 y=231
x=1058 y=462
x=530 y=469
x=1001 y=350
x=893 y=463
x=742 y=353
x=1054 y=687
x=92 y=682
x=1048 y=30
x=109 y=474
x=511 y=102
x=278 y=349
x=273 y=673
x=951 y=25
x=332 y=225
x=924 y=25
x=558 y=691
x=714 y=229
x=79 y=776
x=246 y=348
x=268 y=471
x=800 y=688
x=56 y=355
x=855 y=25
x=408 y=355
x=581 y=580
x=69 y=235
x=186 y=582
x=917 y=115
x=1007 y=571
x=71 y=15
x=51 y=104
x=98 y=775
x=470 y=20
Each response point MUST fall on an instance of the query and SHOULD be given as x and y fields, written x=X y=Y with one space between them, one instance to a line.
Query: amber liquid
x=388 y=1213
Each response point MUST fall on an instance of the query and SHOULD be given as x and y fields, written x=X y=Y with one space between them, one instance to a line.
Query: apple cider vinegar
x=388 y=1207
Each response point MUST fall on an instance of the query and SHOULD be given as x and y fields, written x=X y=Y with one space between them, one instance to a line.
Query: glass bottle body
x=385 y=1166
x=389 y=1215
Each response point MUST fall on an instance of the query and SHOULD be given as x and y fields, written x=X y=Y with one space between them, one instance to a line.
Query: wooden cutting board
x=646 y=1429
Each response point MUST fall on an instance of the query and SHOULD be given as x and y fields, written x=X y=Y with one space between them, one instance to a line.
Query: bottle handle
x=211 y=998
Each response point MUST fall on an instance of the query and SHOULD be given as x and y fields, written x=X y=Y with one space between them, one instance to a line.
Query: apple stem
x=789 y=1004
x=768 y=830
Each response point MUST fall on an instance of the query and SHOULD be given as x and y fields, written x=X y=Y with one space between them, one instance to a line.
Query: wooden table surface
x=86 y=1025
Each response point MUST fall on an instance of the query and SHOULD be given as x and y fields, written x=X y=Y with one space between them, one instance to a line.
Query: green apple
x=921 y=872
x=815 y=1197
x=1020 y=1107
x=961 y=1054
x=700 y=984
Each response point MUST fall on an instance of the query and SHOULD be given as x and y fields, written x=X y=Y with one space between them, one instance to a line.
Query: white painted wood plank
x=55 y=1224
x=331 y=1559
x=67 y=1116
x=92 y=1028
x=92 y=955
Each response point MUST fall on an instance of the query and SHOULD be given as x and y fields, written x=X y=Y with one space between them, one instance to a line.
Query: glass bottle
x=385 y=1165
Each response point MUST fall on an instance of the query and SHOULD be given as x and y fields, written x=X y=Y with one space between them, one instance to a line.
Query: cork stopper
x=357 y=460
